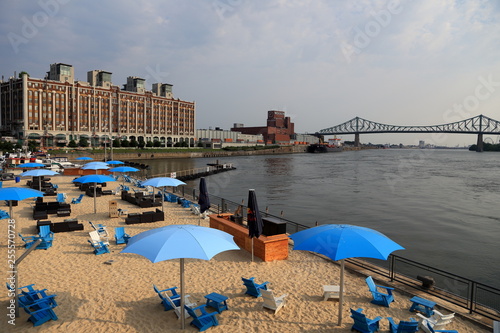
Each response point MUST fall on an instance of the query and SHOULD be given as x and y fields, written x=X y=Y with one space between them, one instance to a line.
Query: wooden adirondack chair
x=201 y=318
x=77 y=200
x=403 y=326
x=271 y=302
x=431 y=330
x=252 y=287
x=177 y=307
x=166 y=294
x=379 y=297
x=363 y=324
x=121 y=237
x=437 y=321
x=99 y=247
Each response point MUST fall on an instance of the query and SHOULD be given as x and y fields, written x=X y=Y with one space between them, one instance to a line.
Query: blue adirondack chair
x=45 y=235
x=201 y=318
x=379 y=297
x=410 y=326
x=121 y=237
x=174 y=296
x=363 y=324
x=252 y=287
x=61 y=197
x=77 y=200
x=169 y=197
x=99 y=247
x=4 y=215
x=432 y=330
x=41 y=311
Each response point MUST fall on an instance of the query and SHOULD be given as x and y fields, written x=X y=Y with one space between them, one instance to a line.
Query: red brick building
x=279 y=129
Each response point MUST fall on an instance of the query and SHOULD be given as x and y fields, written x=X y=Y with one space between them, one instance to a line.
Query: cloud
x=239 y=58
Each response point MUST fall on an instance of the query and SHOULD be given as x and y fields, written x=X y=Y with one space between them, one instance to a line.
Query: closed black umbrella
x=254 y=220
x=203 y=199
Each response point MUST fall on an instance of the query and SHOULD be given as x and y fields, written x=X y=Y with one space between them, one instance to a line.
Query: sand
x=93 y=296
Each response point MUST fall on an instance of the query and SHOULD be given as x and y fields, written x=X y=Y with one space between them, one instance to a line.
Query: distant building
x=279 y=129
x=57 y=109
x=219 y=138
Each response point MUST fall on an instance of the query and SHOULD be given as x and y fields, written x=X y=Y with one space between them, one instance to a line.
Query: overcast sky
x=324 y=62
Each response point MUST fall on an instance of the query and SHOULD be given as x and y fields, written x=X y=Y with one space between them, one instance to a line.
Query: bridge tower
x=479 y=145
x=356 y=140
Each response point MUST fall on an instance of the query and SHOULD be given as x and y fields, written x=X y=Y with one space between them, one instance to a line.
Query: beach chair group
x=171 y=300
x=270 y=301
x=99 y=238
x=45 y=235
x=434 y=323
x=37 y=304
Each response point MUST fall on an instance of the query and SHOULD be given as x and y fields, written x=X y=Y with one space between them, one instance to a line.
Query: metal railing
x=474 y=296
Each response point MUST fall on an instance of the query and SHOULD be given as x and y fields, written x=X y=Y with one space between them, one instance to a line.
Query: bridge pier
x=356 y=140
x=479 y=145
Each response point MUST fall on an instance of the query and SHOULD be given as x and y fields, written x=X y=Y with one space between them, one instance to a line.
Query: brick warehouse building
x=279 y=129
x=57 y=109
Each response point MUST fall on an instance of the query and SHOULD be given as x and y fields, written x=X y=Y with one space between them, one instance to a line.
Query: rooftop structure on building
x=58 y=108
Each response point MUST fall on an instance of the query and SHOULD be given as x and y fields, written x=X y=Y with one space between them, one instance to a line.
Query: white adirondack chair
x=438 y=321
x=177 y=309
x=271 y=302
x=96 y=238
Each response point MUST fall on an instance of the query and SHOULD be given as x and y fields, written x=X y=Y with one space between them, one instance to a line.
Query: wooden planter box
x=268 y=248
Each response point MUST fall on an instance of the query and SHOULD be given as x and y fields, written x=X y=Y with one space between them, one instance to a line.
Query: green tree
x=33 y=145
x=149 y=144
x=72 y=143
x=141 y=143
x=125 y=143
x=117 y=143
x=156 y=144
x=133 y=143
x=21 y=74
x=83 y=142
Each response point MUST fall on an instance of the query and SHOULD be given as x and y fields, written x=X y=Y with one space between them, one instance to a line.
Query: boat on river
x=333 y=146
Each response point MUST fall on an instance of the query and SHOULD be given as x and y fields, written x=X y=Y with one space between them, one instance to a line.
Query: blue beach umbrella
x=17 y=193
x=115 y=162
x=341 y=241
x=180 y=242
x=162 y=182
x=96 y=179
x=38 y=173
x=95 y=166
x=123 y=169
x=31 y=165
x=84 y=158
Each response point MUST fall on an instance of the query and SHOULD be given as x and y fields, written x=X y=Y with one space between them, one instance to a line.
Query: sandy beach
x=94 y=296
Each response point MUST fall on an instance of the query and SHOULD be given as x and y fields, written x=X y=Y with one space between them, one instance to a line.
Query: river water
x=443 y=206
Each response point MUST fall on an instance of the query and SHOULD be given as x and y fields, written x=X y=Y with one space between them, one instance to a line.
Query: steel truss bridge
x=476 y=125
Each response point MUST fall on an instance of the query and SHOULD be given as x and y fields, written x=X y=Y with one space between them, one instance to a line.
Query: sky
x=323 y=62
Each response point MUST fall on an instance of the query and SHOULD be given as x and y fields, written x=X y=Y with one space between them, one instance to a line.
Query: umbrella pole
x=95 y=192
x=341 y=298
x=10 y=209
x=162 y=198
x=252 y=249
x=182 y=295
